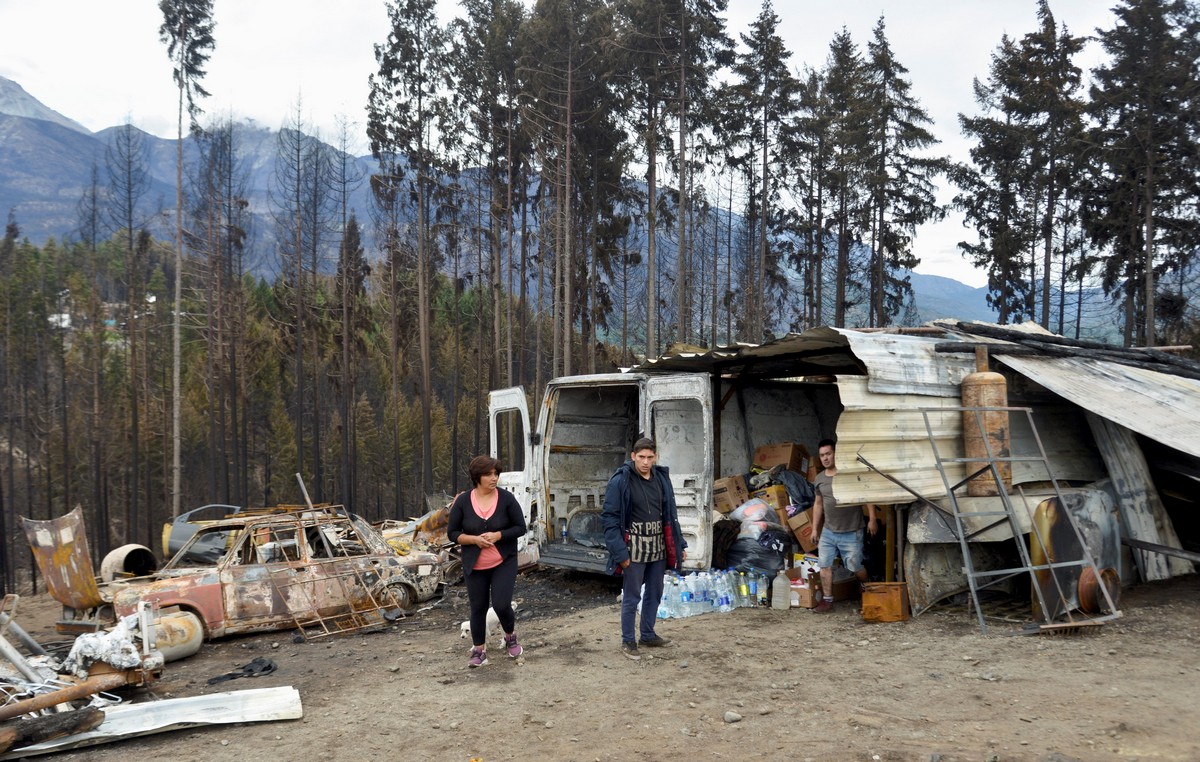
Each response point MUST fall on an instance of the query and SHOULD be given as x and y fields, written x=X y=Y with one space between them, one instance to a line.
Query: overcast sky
x=100 y=62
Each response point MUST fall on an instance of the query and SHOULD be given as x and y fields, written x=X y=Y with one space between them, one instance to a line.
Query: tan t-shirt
x=838 y=518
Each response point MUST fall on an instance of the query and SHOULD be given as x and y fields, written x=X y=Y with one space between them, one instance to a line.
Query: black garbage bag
x=747 y=553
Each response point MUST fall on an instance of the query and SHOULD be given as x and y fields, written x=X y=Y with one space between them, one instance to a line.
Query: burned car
x=320 y=569
x=181 y=529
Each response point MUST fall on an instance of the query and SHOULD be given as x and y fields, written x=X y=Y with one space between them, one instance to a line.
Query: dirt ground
x=750 y=684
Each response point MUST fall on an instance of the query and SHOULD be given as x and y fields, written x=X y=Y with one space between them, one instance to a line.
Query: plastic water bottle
x=667 y=608
x=743 y=590
x=684 y=596
x=752 y=581
x=708 y=594
x=664 y=603
x=678 y=597
x=724 y=592
x=698 y=602
x=762 y=589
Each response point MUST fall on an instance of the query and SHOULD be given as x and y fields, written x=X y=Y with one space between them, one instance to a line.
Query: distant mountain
x=46 y=161
x=940 y=297
x=14 y=101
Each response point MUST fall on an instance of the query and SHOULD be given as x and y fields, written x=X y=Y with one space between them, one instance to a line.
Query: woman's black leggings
x=497 y=584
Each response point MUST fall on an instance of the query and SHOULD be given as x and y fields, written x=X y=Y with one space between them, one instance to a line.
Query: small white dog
x=493 y=626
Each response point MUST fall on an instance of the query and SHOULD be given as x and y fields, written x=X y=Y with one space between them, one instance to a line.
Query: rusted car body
x=316 y=568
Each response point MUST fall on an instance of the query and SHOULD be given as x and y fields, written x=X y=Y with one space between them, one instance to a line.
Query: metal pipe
x=34 y=647
x=9 y=651
x=89 y=687
x=304 y=491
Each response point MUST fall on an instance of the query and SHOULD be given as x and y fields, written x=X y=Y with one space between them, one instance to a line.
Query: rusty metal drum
x=986 y=431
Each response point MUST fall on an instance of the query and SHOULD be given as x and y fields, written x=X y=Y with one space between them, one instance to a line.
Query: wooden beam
x=1143 y=516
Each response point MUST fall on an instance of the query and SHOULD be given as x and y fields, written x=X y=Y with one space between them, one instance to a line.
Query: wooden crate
x=885 y=602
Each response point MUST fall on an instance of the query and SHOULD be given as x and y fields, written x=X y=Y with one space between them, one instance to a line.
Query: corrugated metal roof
x=1159 y=406
x=818 y=351
x=895 y=363
x=884 y=379
x=899 y=364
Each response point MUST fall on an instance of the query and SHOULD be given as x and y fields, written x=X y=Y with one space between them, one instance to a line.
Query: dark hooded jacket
x=618 y=514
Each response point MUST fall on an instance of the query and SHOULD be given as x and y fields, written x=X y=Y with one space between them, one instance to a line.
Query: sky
x=101 y=63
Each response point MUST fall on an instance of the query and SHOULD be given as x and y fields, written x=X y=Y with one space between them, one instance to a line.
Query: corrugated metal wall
x=889 y=431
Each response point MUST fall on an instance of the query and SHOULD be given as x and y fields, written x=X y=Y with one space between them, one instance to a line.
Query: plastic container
x=781 y=592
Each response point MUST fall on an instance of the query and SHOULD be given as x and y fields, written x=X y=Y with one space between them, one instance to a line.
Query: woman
x=486 y=522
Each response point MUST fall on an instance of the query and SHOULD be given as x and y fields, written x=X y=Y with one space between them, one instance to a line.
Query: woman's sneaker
x=478 y=658
x=512 y=646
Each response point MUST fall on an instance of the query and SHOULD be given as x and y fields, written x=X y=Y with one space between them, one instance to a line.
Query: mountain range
x=46 y=162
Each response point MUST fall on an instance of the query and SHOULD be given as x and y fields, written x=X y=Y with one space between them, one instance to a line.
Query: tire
x=397 y=595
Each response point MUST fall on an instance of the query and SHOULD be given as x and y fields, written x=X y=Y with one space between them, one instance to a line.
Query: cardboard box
x=729 y=492
x=805 y=590
x=805 y=597
x=843 y=589
x=799 y=574
x=801 y=526
x=885 y=602
x=781 y=514
x=847 y=589
x=794 y=456
x=776 y=496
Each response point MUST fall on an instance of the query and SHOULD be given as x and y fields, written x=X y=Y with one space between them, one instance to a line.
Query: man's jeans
x=635 y=574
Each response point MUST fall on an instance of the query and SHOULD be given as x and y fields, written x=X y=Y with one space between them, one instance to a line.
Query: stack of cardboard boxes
x=729 y=492
x=794 y=457
x=882 y=602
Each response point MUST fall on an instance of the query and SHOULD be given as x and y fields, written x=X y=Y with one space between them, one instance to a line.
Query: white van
x=705 y=427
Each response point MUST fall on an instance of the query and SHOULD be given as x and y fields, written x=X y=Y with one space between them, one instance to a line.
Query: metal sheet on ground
x=133 y=720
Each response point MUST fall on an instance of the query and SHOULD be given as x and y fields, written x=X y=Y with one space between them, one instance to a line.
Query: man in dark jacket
x=642 y=534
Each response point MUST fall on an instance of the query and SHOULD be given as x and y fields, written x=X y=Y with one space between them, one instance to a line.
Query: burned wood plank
x=17 y=733
x=1039 y=345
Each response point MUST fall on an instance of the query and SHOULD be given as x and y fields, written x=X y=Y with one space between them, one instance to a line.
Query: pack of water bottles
x=720 y=590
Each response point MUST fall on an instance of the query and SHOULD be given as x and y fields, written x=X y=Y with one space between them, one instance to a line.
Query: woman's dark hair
x=480 y=465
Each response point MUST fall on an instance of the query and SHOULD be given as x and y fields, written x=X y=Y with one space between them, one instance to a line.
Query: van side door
x=677 y=414
x=510 y=441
